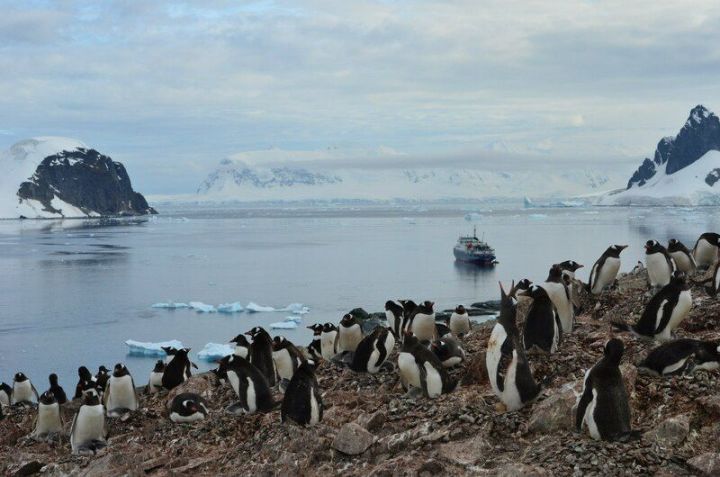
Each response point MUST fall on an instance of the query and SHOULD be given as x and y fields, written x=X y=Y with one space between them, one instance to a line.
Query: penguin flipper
x=506 y=355
x=37 y=396
x=72 y=430
x=666 y=314
x=137 y=401
x=585 y=401
x=423 y=379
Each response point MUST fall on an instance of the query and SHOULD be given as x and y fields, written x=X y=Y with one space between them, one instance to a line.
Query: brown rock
x=465 y=453
x=670 y=432
x=708 y=463
x=710 y=404
x=476 y=372
x=372 y=421
x=517 y=469
x=202 y=384
x=554 y=413
x=353 y=439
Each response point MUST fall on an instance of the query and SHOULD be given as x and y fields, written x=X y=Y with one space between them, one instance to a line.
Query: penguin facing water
x=681 y=355
x=508 y=368
x=23 y=390
x=249 y=383
x=260 y=353
x=349 y=334
x=408 y=310
x=683 y=258
x=48 y=420
x=705 y=251
x=314 y=349
x=176 y=370
x=85 y=381
x=559 y=294
x=286 y=356
x=419 y=368
x=120 y=395
x=664 y=312
x=188 y=407
x=422 y=322
x=88 y=432
x=459 y=322
x=328 y=341
x=57 y=391
x=605 y=269
x=242 y=346
x=395 y=316
x=603 y=405
x=154 y=384
x=302 y=403
x=659 y=264
x=373 y=350
x=542 y=325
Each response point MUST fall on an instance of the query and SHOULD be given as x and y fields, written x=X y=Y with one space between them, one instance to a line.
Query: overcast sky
x=170 y=88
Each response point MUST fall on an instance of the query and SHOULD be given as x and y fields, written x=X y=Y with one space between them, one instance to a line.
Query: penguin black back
x=260 y=353
x=176 y=369
x=247 y=374
x=302 y=403
x=57 y=390
x=671 y=357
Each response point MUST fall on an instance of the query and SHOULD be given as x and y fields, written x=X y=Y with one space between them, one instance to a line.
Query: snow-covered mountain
x=684 y=170
x=55 y=177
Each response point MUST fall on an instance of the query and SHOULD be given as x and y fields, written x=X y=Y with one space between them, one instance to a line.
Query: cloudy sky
x=170 y=88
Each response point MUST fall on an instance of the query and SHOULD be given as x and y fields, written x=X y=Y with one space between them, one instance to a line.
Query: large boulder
x=554 y=413
x=708 y=463
x=670 y=432
x=353 y=439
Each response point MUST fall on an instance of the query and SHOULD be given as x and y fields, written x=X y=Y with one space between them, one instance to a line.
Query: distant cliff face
x=700 y=134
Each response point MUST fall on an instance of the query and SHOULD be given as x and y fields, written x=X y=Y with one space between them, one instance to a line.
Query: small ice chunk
x=235 y=307
x=202 y=307
x=294 y=318
x=215 y=351
x=284 y=325
x=141 y=348
x=253 y=307
x=296 y=308
x=171 y=305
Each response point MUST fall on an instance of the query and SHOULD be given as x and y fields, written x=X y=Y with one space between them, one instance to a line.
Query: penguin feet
x=236 y=409
x=413 y=394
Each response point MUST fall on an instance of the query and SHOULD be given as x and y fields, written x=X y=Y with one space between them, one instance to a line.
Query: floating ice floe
x=253 y=307
x=294 y=318
x=235 y=307
x=284 y=325
x=296 y=308
x=201 y=307
x=140 y=348
x=214 y=351
x=170 y=305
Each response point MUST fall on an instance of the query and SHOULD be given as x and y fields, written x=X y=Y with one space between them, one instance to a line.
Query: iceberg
x=296 y=308
x=294 y=318
x=141 y=348
x=215 y=351
x=253 y=307
x=235 y=307
x=170 y=305
x=284 y=325
x=202 y=307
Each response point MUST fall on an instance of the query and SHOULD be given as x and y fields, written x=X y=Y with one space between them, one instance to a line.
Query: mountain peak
x=698 y=114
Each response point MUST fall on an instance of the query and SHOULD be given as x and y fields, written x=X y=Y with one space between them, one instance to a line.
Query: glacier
x=141 y=348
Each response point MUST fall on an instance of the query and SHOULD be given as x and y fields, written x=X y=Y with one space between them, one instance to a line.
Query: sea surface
x=72 y=292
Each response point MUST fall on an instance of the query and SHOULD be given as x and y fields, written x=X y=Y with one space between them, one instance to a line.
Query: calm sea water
x=72 y=292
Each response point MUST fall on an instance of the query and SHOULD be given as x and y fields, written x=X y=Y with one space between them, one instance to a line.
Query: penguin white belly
x=241 y=351
x=433 y=381
x=394 y=321
x=22 y=392
x=589 y=417
x=234 y=381
x=251 y=396
x=606 y=275
x=122 y=394
x=683 y=262
x=459 y=324
x=350 y=337
x=450 y=362
x=493 y=354
x=155 y=382
x=423 y=327
x=708 y=365
x=389 y=344
x=196 y=416
x=314 y=408
x=372 y=364
x=556 y=292
x=327 y=344
x=659 y=270
x=89 y=426
x=4 y=398
x=705 y=254
x=48 y=419
x=556 y=337
x=409 y=371
x=674 y=367
x=283 y=363
x=716 y=280
x=511 y=395
x=681 y=310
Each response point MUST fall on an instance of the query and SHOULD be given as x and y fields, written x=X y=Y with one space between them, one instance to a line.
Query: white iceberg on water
x=170 y=305
x=141 y=348
x=284 y=325
x=253 y=307
x=201 y=307
x=296 y=308
x=215 y=351
x=235 y=307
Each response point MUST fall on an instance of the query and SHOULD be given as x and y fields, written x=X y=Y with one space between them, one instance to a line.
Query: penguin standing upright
x=85 y=381
x=683 y=258
x=188 y=407
x=664 y=312
x=176 y=369
x=155 y=382
x=569 y=267
x=249 y=384
x=302 y=403
x=521 y=286
x=261 y=353
x=420 y=369
x=314 y=349
x=459 y=321
x=448 y=351
x=286 y=356
x=120 y=395
x=23 y=390
x=605 y=269
x=242 y=346
x=5 y=394
x=57 y=390
x=88 y=432
x=508 y=368
x=706 y=249
x=394 y=314
x=712 y=284
x=373 y=350
x=349 y=334
x=422 y=322
x=659 y=264
x=678 y=356
x=48 y=420
x=542 y=324
x=328 y=341
x=603 y=406
x=559 y=294
x=101 y=378
x=408 y=310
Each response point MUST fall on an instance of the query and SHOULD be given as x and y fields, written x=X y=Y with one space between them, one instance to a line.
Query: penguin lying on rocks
x=680 y=356
x=448 y=351
x=188 y=407
x=372 y=352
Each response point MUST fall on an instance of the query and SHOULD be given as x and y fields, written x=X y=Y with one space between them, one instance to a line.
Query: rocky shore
x=371 y=428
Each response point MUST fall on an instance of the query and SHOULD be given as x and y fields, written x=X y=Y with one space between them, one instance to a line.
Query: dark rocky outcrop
x=86 y=179
x=700 y=134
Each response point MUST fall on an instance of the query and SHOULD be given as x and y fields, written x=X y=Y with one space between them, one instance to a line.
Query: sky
x=171 y=88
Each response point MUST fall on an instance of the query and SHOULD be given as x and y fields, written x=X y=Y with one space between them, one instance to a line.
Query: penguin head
x=652 y=246
x=84 y=374
x=159 y=366
x=570 y=265
x=347 y=320
x=673 y=243
x=440 y=348
x=460 y=310
x=255 y=332
x=240 y=340
x=392 y=306
x=279 y=342
x=53 y=379
x=328 y=327
x=120 y=370
x=91 y=397
x=522 y=285
x=20 y=377
x=47 y=398
x=408 y=305
x=191 y=406
x=428 y=305
x=317 y=328
x=555 y=273
x=614 y=350
x=678 y=278
x=169 y=350
x=102 y=370
x=614 y=250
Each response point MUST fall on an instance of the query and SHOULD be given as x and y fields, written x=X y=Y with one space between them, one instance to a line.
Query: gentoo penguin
x=120 y=396
x=459 y=322
x=88 y=432
x=422 y=322
x=522 y=285
x=408 y=309
x=176 y=370
x=448 y=351
x=349 y=334
x=711 y=284
x=188 y=407
x=5 y=394
x=569 y=267
x=57 y=390
x=328 y=341
x=85 y=381
x=242 y=346
x=286 y=356
x=249 y=383
x=605 y=269
x=314 y=349
x=664 y=311
x=559 y=294
x=442 y=330
x=101 y=378
x=155 y=382
x=659 y=264
x=542 y=324
x=678 y=356
x=169 y=353
x=261 y=353
x=683 y=258
x=373 y=350
x=508 y=368
x=48 y=420
x=23 y=390
x=395 y=316
x=603 y=406
x=705 y=251
x=302 y=403
x=420 y=369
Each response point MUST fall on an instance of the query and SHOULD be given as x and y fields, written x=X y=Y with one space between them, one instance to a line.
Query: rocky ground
x=370 y=428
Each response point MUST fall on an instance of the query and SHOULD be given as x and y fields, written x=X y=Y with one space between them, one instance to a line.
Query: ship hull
x=477 y=259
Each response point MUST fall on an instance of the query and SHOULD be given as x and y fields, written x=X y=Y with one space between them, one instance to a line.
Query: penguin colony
x=426 y=349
